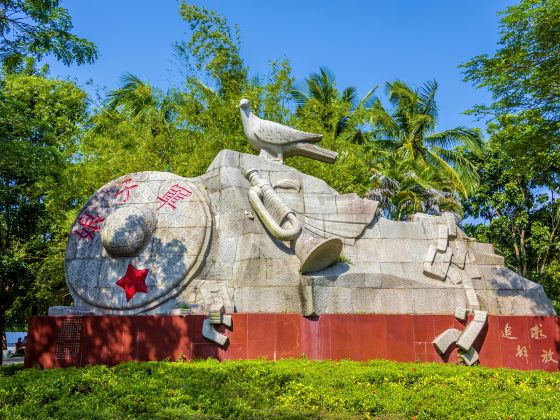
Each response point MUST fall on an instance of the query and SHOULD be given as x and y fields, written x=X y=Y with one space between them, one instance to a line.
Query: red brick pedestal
x=520 y=342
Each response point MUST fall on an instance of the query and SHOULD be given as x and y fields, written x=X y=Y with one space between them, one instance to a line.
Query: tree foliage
x=39 y=122
x=416 y=168
x=518 y=197
x=38 y=28
x=524 y=73
x=55 y=152
x=518 y=193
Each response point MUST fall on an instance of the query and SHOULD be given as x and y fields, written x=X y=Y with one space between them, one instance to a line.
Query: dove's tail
x=312 y=152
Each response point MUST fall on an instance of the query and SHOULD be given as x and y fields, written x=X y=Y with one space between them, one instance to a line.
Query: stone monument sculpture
x=255 y=235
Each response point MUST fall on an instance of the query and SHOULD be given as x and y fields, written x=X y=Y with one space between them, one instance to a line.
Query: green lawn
x=284 y=389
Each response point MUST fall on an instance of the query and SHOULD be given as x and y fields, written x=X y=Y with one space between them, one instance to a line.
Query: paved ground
x=12 y=360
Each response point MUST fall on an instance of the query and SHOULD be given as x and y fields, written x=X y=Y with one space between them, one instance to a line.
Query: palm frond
x=426 y=99
x=459 y=136
x=350 y=96
x=437 y=162
x=369 y=99
x=300 y=97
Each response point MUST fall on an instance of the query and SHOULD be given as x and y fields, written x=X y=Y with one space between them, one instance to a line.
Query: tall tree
x=404 y=187
x=38 y=28
x=333 y=108
x=408 y=131
x=340 y=116
x=518 y=198
x=519 y=189
x=39 y=122
x=524 y=73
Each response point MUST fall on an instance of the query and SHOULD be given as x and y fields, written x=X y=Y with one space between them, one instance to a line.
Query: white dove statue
x=276 y=141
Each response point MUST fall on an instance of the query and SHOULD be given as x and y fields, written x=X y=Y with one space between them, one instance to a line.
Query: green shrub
x=284 y=389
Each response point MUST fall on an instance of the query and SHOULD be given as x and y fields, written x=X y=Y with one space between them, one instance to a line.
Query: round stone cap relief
x=138 y=242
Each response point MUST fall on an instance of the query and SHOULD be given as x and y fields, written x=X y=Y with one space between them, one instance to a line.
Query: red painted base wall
x=78 y=341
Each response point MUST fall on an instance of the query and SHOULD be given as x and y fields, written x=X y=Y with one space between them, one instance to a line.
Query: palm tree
x=141 y=102
x=321 y=87
x=408 y=132
x=404 y=187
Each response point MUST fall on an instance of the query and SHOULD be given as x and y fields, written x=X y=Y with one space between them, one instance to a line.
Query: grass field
x=296 y=388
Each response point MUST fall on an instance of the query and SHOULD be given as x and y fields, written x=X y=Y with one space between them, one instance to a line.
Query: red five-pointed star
x=133 y=281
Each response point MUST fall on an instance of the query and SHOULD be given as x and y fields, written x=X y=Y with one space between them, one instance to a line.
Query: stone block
x=352 y=204
x=502 y=278
x=372 y=230
x=248 y=246
x=446 y=339
x=394 y=282
x=282 y=271
x=394 y=269
x=472 y=271
x=234 y=198
x=489 y=259
x=332 y=299
x=69 y=311
x=351 y=280
x=211 y=334
x=382 y=250
x=428 y=300
x=293 y=200
x=210 y=181
x=237 y=223
x=454 y=276
x=417 y=250
x=227 y=249
x=308 y=306
x=488 y=302
x=430 y=254
x=225 y=158
x=400 y=230
x=363 y=301
x=443 y=238
x=451 y=224
x=368 y=250
x=472 y=330
x=233 y=177
x=249 y=273
x=472 y=298
x=460 y=254
x=227 y=320
x=373 y=280
x=461 y=313
x=268 y=299
x=396 y=301
x=276 y=178
x=218 y=270
x=434 y=271
x=270 y=247
x=482 y=248
x=312 y=186
x=319 y=203
x=470 y=357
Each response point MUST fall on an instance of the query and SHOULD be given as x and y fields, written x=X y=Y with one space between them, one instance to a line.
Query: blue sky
x=364 y=43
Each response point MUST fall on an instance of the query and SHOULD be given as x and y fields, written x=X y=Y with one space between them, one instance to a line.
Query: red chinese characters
x=124 y=192
x=175 y=194
x=88 y=224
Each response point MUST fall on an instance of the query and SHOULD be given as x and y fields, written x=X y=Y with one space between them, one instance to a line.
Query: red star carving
x=133 y=281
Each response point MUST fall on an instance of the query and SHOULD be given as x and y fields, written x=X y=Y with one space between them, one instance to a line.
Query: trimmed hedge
x=284 y=389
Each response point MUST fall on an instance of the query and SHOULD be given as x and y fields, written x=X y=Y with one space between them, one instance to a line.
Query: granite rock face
x=204 y=246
